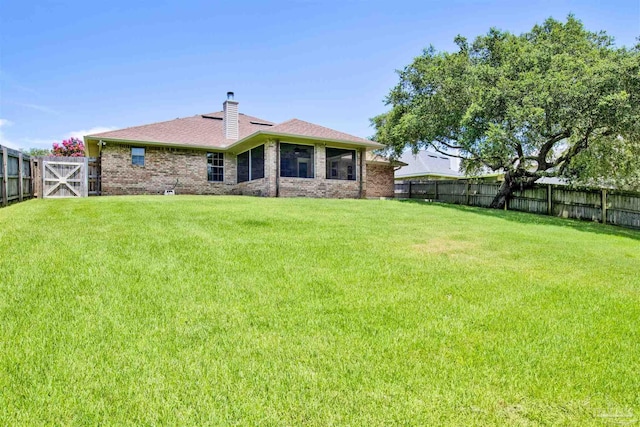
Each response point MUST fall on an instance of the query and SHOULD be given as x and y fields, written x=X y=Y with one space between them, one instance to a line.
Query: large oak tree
x=556 y=101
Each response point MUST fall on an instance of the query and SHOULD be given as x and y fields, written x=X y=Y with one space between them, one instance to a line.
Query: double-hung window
x=296 y=160
x=251 y=164
x=137 y=156
x=215 y=167
x=341 y=164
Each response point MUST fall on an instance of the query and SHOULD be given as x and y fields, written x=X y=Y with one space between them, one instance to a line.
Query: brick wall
x=380 y=182
x=257 y=187
x=320 y=186
x=310 y=187
x=162 y=167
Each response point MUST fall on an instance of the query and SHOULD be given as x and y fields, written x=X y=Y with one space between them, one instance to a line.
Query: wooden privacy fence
x=94 y=179
x=16 y=176
x=23 y=177
x=603 y=205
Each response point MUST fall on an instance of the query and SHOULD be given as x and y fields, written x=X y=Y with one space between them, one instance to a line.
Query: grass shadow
x=531 y=218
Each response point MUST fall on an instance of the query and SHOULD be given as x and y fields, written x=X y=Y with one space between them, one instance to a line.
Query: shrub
x=72 y=147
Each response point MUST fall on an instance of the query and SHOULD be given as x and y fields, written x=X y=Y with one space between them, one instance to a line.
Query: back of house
x=228 y=152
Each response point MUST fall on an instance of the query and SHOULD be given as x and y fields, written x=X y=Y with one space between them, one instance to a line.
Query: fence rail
x=16 y=176
x=603 y=205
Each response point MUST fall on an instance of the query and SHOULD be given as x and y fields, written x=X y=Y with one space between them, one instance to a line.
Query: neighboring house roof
x=426 y=163
x=499 y=177
x=552 y=180
x=207 y=130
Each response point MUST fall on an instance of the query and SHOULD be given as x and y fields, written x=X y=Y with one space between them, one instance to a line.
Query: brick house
x=228 y=152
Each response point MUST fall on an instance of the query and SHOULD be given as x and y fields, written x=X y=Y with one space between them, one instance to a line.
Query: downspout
x=361 y=174
x=325 y=184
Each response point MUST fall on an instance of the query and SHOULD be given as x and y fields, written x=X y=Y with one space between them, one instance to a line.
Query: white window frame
x=144 y=155
x=222 y=167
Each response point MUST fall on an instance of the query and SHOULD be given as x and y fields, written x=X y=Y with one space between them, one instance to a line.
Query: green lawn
x=243 y=311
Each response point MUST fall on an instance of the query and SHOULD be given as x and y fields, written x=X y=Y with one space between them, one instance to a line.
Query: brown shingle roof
x=207 y=130
x=200 y=130
x=300 y=127
x=377 y=158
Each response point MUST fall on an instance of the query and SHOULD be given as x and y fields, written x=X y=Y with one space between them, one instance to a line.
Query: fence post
x=549 y=200
x=5 y=186
x=435 y=190
x=604 y=206
x=20 y=182
x=85 y=191
x=42 y=175
x=409 y=189
x=32 y=178
x=467 y=192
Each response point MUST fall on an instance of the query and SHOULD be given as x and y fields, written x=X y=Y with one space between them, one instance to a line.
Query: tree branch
x=448 y=145
x=547 y=146
x=573 y=151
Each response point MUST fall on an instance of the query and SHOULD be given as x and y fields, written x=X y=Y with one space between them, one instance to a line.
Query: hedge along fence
x=603 y=205
x=16 y=176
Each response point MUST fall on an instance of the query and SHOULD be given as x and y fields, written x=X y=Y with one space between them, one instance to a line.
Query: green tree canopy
x=37 y=152
x=556 y=101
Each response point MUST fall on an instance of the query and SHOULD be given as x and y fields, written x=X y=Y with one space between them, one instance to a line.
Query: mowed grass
x=243 y=311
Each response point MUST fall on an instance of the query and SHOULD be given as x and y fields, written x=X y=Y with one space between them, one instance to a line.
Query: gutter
x=155 y=143
x=235 y=144
x=371 y=144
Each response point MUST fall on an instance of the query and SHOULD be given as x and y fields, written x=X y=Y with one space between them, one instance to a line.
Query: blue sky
x=68 y=68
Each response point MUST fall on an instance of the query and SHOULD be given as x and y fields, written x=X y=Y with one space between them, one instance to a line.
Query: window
x=296 y=161
x=243 y=167
x=257 y=162
x=215 y=167
x=251 y=164
x=137 y=156
x=341 y=164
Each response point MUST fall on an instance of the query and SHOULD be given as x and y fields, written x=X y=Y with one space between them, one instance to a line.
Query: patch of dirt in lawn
x=444 y=246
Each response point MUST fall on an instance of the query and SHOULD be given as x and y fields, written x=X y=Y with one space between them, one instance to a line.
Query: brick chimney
x=230 y=117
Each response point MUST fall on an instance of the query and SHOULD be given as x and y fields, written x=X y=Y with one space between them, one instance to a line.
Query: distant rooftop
x=426 y=163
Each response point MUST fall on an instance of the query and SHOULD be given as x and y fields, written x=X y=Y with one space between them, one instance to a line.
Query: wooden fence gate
x=65 y=177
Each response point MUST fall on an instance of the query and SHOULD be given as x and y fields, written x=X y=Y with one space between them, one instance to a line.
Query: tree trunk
x=505 y=191
x=507 y=188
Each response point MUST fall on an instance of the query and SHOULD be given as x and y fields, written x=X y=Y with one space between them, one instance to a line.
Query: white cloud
x=3 y=139
x=37 y=142
x=41 y=108
x=25 y=143
x=83 y=132
x=10 y=81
